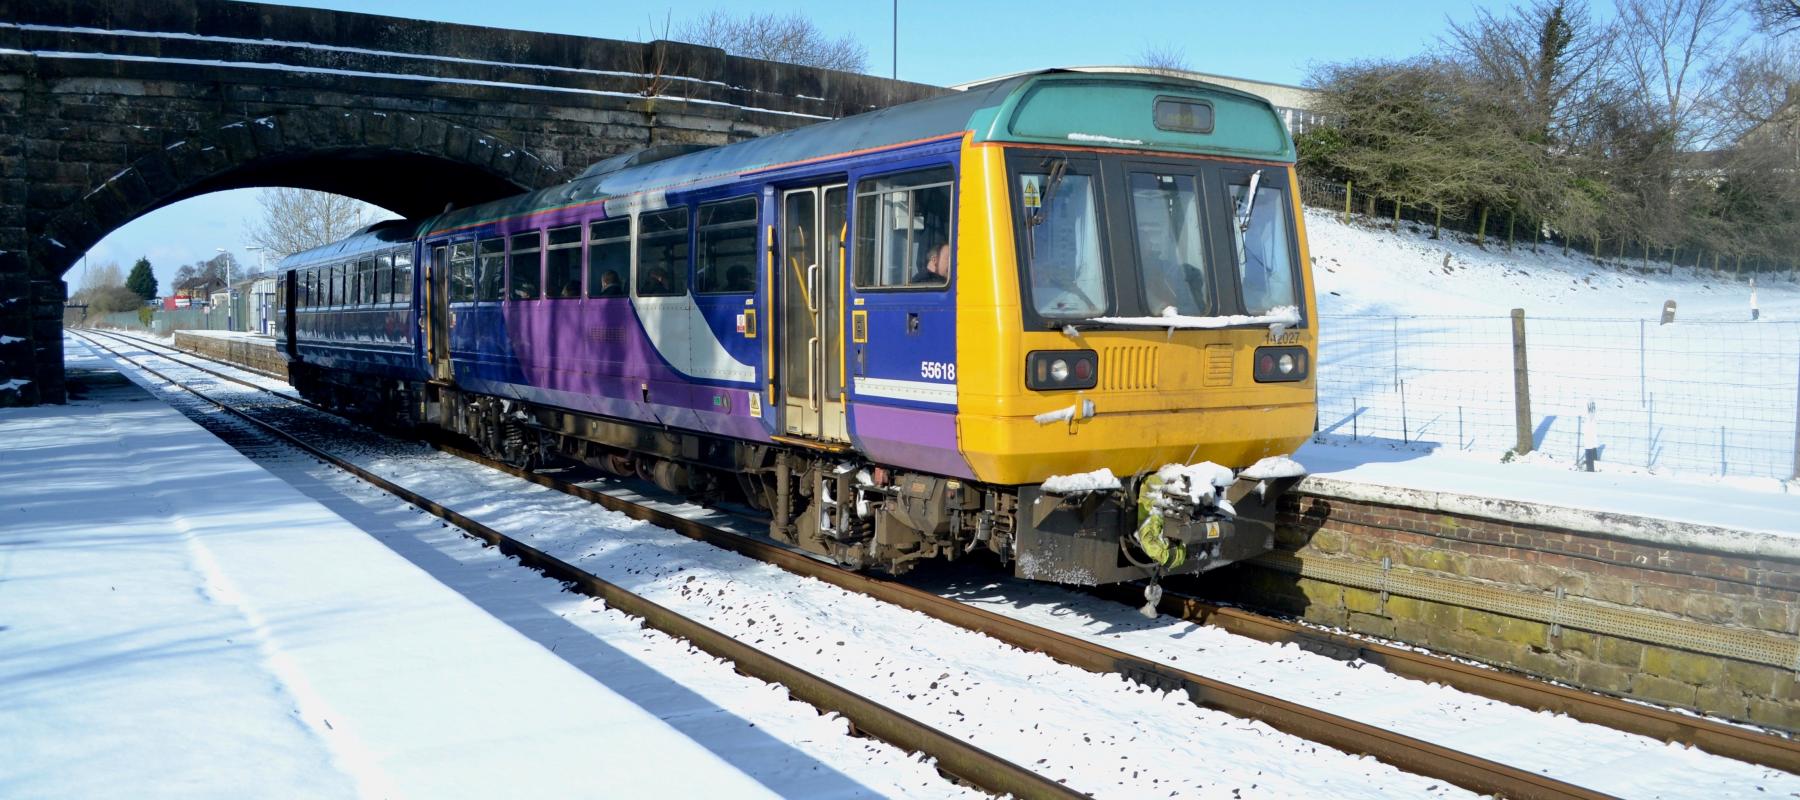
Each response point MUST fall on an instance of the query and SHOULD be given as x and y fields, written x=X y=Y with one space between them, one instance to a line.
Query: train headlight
x=1047 y=370
x=1280 y=364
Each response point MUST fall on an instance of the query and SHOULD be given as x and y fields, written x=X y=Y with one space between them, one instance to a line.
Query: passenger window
x=1260 y=239
x=526 y=271
x=365 y=282
x=340 y=285
x=462 y=272
x=403 y=276
x=1171 y=256
x=903 y=230
x=562 y=263
x=384 y=279
x=662 y=253
x=490 y=269
x=306 y=288
x=609 y=257
x=1062 y=245
x=725 y=242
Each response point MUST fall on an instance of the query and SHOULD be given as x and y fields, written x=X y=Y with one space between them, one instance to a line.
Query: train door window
x=365 y=276
x=1261 y=245
x=562 y=262
x=609 y=257
x=725 y=247
x=526 y=267
x=403 y=276
x=384 y=279
x=1172 y=269
x=490 y=269
x=903 y=230
x=662 y=253
x=1061 y=235
x=462 y=272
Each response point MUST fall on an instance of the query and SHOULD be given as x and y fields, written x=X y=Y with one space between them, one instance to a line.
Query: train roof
x=1053 y=107
x=383 y=235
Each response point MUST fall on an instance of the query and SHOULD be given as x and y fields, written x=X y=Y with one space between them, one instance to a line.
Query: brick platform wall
x=1720 y=589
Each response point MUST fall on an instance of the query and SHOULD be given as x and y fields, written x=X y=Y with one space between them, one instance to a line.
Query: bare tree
x=1776 y=17
x=299 y=219
x=1666 y=56
x=103 y=291
x=1549 y=57
x=1165 y=57
x=789 y=38
x=1755 y=87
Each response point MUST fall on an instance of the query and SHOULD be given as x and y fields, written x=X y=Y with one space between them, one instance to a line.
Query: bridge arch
x=408 y=163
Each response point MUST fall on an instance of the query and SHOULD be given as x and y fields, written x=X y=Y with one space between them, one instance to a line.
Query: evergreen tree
x=142 y=280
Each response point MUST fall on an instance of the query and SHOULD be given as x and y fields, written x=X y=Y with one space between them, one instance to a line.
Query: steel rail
x=1397 y=749
x=954 y=757
x=1711 y=736
x=1722 y=739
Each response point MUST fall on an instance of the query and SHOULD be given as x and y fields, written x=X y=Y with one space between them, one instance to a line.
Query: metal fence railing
x=1720 y=398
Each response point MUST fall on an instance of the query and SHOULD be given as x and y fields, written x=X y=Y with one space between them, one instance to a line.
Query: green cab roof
x=1117 y=109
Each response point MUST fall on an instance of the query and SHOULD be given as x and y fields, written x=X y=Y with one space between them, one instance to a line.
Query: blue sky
x=940 y=42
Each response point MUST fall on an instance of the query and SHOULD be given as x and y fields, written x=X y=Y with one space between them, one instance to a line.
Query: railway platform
x=177 y=621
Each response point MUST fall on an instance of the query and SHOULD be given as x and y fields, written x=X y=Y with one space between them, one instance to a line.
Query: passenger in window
x=936 y=269
x=657 y=282
x=609 y=285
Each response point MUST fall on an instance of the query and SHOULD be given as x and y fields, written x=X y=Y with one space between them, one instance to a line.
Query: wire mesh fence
x=1720 y=398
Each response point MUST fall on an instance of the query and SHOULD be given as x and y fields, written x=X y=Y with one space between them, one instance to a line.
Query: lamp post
x=262 y=303
x=228 y=303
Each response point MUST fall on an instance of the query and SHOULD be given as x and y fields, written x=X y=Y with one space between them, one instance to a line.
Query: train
x=1064 y=318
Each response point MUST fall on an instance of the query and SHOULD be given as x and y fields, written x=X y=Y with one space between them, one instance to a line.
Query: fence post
x=1521 y=385
x=1643 y=390
x=1349 y=186
x=1796 y=475
x=1396 y=354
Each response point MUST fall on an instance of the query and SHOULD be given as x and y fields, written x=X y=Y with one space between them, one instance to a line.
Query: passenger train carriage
x=917 y=332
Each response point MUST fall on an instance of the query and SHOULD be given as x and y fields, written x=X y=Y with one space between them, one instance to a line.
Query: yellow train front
x=1135 y=331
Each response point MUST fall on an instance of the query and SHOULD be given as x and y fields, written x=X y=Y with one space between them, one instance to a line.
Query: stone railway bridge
x=111 y=110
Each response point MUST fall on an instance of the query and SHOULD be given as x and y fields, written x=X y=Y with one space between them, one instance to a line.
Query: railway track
x=1405 y=752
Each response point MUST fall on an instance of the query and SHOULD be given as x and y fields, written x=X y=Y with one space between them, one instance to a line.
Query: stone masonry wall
x=1729 y=591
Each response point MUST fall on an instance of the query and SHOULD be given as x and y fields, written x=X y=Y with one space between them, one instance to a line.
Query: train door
x=811 y=248
x=287 y=300
x=435 y=313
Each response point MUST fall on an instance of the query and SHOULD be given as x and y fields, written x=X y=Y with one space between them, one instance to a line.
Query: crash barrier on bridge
x=1687 y=615
x=1700 y=397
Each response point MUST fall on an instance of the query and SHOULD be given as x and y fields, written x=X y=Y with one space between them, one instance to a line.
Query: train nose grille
x=1218 y=365
x=1128 y=368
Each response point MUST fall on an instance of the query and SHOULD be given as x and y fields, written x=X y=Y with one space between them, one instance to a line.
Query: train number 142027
x=937 y=370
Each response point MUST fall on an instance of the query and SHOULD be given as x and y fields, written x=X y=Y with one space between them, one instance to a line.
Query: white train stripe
x=920 y=391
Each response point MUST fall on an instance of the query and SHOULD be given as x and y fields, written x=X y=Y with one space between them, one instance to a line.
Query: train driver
x=936 y=269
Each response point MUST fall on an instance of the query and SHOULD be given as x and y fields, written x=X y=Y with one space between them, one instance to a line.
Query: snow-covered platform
x=177 y=621
x=253 y=350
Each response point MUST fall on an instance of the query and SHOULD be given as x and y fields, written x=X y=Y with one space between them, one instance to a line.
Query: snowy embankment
x=1416 y=356
x=936 y=671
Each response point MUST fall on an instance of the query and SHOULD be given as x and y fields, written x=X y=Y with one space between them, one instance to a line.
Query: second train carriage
x=887 y=330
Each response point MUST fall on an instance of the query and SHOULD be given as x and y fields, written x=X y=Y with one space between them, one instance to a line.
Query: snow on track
x=1096 y=732
x=177 y=621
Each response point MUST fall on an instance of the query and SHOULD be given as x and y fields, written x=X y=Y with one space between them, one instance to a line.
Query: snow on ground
x=1593 y=756
x=1364 y=269
x=1094 y=731
x=176 y=621
x=1415 y=349
x=681 y=574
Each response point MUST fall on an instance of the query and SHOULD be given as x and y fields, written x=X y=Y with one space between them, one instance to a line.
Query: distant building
x=197 y=290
